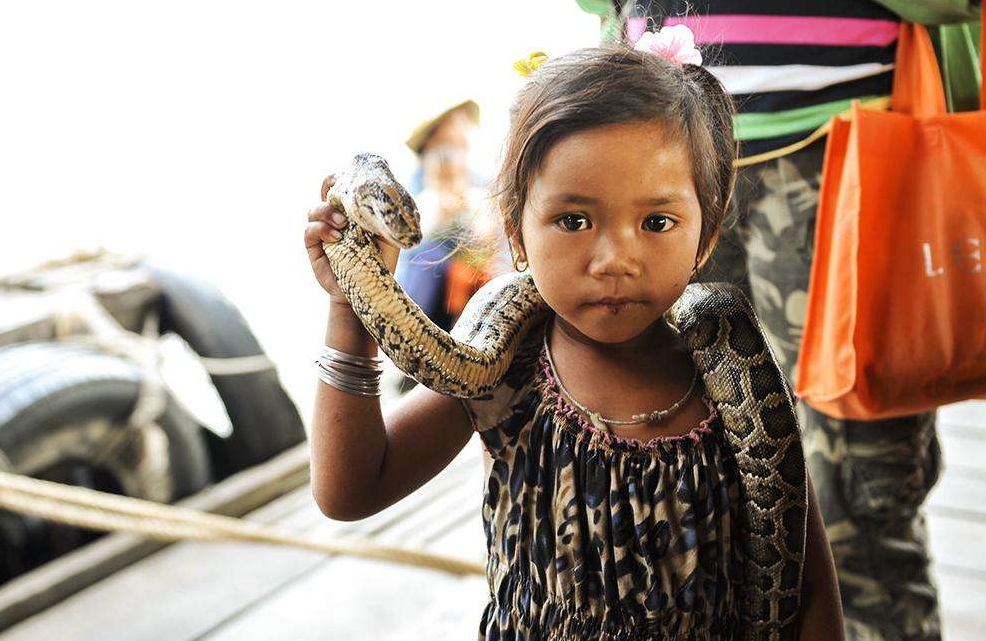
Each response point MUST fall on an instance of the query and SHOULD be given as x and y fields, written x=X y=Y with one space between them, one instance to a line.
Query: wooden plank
x=454 y=613
x=320 y=597
x=448 y=480
x=204 y=584
x=956 y=493
x=353 y=599
x=968 y=413
x=51 y=583
x=192 y=588
x=366 y=599
x=458 y=498
x=962 y=607
x=956 y=514
x=957 y=542
x=185 y=590
x=963 y=452
x=948 y=430
x=438 y=531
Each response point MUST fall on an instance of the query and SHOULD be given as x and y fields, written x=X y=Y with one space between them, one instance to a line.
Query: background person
x=457 y=253
x=791 y=66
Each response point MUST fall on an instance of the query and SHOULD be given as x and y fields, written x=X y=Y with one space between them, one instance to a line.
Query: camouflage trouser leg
x=870 y=477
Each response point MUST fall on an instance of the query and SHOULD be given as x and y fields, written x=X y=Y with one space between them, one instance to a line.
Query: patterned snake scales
x=716 y=321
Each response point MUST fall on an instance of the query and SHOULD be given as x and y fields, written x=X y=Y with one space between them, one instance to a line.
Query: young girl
x=616 y=177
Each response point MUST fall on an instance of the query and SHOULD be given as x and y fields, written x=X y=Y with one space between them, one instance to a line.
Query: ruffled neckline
x=575 y=422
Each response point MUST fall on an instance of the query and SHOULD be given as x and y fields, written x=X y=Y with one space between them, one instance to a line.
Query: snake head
x=373 y=198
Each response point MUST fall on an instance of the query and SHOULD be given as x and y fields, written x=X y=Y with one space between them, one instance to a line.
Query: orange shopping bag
x=463 y=281
x=896 y=320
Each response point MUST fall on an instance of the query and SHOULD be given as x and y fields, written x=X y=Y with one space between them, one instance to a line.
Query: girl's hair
x=617 y=84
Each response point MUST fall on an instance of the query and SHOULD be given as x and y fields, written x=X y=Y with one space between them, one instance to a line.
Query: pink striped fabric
x=636 y=28
x=786 y=30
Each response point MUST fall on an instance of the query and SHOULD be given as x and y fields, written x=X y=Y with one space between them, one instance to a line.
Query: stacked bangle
x=357 y=375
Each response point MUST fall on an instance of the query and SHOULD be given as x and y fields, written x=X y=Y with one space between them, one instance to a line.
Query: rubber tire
x=45 y=387
x=264 y=418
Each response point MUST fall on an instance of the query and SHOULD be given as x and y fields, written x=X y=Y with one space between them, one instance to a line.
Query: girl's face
x=611 y=228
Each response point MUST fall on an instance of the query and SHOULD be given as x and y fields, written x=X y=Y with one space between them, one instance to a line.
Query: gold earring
x=518 y=259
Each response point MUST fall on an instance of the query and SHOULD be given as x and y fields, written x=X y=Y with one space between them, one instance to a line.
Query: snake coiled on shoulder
x=717 y=322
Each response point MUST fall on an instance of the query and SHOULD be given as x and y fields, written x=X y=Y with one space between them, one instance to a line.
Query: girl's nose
x=615 y=255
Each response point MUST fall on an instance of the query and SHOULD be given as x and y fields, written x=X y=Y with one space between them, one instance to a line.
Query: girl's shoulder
x=521 y=377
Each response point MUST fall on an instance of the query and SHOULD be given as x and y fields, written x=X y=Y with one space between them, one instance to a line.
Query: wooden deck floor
x=227 y=592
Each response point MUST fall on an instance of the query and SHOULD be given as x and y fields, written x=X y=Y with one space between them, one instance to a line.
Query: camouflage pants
x=870 y=477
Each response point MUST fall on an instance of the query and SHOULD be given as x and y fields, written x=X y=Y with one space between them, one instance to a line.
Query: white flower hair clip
x=675 y=43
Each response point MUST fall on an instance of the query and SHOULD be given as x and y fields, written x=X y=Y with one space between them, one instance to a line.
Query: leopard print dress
x=593 y=536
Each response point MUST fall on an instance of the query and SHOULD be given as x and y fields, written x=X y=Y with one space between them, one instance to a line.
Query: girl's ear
x=511 y=231
x=519 y=255
x=516 y=240
x=517 y=246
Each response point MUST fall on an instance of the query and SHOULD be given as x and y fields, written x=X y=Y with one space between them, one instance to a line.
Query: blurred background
x=199 y=133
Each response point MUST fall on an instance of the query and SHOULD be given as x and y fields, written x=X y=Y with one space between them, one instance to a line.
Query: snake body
x=716 y=321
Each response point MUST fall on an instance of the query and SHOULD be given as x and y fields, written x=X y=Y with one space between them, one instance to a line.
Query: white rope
x=236 y=365
x=84 y=507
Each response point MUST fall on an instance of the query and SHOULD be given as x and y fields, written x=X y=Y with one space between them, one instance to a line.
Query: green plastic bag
x=598 y=7
x=957 y=40
x=960 y=65
x=933 y=12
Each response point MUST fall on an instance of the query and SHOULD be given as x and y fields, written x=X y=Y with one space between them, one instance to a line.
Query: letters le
x=966 y=253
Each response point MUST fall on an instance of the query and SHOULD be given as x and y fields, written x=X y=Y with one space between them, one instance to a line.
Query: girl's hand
x=324 y=223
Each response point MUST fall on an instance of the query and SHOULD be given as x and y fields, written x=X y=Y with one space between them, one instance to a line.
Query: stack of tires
x=64 y=414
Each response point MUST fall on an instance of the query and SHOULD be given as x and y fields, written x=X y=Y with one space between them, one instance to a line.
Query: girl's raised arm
x=821 y=605
x=361 y=463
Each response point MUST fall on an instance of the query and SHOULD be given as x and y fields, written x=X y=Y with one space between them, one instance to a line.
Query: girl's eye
x=658 y=223
x=574 y=222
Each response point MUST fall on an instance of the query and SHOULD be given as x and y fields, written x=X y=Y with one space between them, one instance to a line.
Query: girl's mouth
x=613 y=305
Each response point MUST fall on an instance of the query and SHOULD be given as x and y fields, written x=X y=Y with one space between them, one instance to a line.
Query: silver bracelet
x=344 y=384
x=348 y=383
x=372 y=362
x=357 y=375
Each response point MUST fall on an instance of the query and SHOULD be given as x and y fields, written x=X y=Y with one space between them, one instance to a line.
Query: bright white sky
x=199 y=132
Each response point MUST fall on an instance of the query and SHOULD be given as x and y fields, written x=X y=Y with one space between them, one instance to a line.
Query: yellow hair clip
x=529 y=66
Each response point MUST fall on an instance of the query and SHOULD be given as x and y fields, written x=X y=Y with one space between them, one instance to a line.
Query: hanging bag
x=896 y=318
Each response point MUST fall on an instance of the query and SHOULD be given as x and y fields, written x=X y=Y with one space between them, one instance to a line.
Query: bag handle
x=918 y=88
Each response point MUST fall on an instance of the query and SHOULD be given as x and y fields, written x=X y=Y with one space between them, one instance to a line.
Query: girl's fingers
x=316 y=255
x=327 y=214
x=327 y=183
x=320 y=213
x=317 y=233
